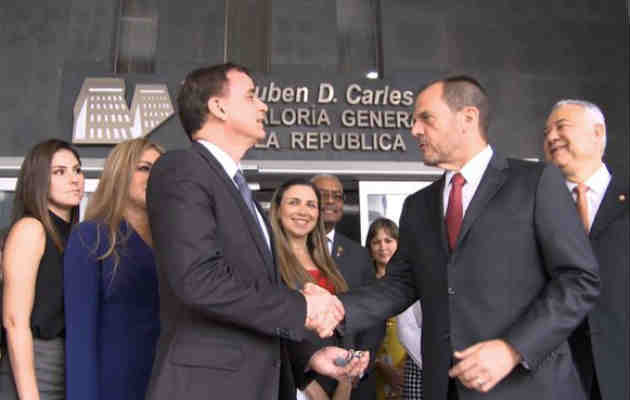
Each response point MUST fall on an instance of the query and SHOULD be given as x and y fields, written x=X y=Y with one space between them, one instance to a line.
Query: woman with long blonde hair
x=111 y=288
x=47 y=196
x=302 y=256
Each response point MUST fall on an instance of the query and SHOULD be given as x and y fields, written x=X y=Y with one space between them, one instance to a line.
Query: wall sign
x=341 y=117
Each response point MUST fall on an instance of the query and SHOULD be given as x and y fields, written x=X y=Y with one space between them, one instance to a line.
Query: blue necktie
x=246 y=193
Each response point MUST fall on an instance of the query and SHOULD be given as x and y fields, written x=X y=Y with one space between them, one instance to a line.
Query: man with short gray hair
x=575 y=140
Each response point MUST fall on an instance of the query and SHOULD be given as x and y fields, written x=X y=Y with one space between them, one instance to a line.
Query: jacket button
x=451 y=291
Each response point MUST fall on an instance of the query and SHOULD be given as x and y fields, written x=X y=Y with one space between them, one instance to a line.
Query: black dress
x=47 y=324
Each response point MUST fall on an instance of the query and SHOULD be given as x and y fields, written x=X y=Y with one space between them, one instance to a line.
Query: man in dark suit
x=575 y=139
x=495 y=251
x=229 y=327
x=357 y=269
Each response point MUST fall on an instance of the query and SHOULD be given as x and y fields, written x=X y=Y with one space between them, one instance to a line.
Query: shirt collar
x=331 y=235
x=222 y=157
x=474 y=169
x=598 y=182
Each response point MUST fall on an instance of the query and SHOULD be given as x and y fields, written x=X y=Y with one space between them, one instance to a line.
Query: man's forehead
x=239 y=79
x=328 y=182
x=429 y=96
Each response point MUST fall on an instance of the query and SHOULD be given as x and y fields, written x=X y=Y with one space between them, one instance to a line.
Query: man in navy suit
x=575 y=140
x=229 y=328
x=497 y=255
x=354 y=263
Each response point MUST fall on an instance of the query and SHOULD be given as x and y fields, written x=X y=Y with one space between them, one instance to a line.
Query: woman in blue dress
x=110 y=282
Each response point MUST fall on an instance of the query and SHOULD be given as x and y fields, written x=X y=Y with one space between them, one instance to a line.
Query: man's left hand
x=483 y=365
x=323 y=362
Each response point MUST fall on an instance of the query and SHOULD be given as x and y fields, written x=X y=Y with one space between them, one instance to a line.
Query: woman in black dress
x=49 y=190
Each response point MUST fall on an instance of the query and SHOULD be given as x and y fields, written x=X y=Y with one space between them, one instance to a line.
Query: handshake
x=324 y=311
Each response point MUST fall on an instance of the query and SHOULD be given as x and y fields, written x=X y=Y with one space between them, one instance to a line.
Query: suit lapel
x=337 y=248
x=614 y=203
x=251 y=222
x=269 y=255
x=436 y=212
x=491 y=182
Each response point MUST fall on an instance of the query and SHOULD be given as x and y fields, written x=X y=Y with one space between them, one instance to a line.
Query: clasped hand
x=324 y=311
x=339 y=363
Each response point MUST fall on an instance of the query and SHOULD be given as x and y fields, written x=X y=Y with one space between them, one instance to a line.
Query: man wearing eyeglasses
x=357 y=269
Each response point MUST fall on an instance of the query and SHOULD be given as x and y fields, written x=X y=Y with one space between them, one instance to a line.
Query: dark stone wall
x=528 y=54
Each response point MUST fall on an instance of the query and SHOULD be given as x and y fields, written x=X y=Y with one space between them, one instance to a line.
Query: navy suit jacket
x=601 y=345
x=357 y=269
x=227 y=319
x=523 y=270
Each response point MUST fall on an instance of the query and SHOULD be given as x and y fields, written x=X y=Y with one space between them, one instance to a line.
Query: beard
x=430 y=157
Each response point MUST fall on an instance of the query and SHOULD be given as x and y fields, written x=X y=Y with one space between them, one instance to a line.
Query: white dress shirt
x=231 y=167
x=597 y=185
x=331 y=239
x=472 y=171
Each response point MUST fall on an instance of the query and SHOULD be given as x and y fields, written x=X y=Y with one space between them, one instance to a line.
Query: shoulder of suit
x=435 y=185
x=183 y=160
x=518 y=164
x=347 y=242
x=177 y=155
x=532 y=171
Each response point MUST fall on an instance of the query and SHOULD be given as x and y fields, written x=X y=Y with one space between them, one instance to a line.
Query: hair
x=385 y=224
x=465 y=91
x=591 y=109
x=198 y=87
x=378 y=224
x=33 y=187
x=292 y=272
x=109 y=202
x=326 y=176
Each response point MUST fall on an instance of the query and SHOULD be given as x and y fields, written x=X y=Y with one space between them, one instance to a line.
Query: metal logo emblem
x=101 y=115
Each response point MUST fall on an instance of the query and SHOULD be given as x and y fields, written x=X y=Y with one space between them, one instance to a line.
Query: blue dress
x=112 y=317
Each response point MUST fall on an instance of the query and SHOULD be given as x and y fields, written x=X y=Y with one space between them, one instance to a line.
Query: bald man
x=575 y=140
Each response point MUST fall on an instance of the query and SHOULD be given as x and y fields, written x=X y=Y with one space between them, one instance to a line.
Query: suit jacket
x=225 y=314
x=523 y=270
x=601 y=345
x=356 y=267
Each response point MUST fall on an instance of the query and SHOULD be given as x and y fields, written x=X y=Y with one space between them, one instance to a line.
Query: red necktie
x=582 y=204
x=455 y=211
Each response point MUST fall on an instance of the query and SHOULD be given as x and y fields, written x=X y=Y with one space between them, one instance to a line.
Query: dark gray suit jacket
x=225 y=314
x=523 y=271
x=602 y=344
x=357 y=268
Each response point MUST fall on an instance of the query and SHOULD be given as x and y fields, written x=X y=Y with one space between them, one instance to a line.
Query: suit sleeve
x=82 y=307
x=189 y=254
x=573 y=272
x=370 y=338
x=390 y=295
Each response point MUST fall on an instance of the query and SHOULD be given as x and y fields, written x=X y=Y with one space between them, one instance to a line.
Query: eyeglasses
x=335 y=195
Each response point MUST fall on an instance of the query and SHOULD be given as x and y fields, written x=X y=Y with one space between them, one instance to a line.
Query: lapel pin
x=339 y=251
x=622 y=197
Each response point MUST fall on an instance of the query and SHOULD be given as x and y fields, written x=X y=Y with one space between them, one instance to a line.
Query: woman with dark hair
x=47 y=196
x=398 y=362
x=302 y=254
x=111 y=288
